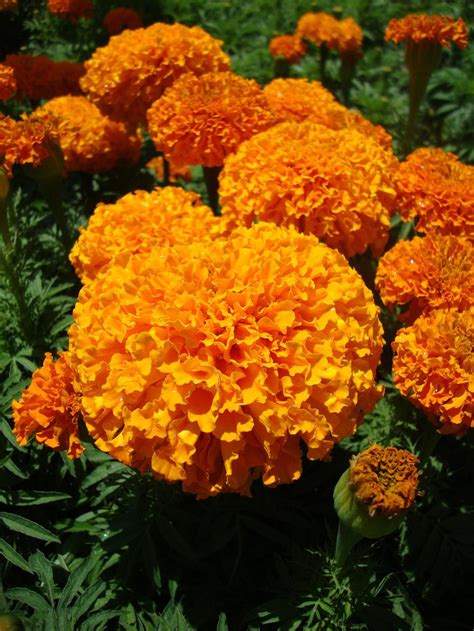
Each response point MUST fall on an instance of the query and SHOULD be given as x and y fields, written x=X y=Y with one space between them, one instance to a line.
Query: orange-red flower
x=319 y=28
x=211 y=362
x=8 y=5
x=435 y=188
x=434 y=367
x=50 y=408
x=90 y=141
x=300 y=99
x=334 y=184
x=171 y=216
x=42 y=78
x=121 y=18
x=349 y=39
x=433 y=272
x=385 y=479
x=125 y=77
x=201 y=120
x=289 y=47
x=157 y=166
x=435 y=28
x=71 y=9
x=7 y=82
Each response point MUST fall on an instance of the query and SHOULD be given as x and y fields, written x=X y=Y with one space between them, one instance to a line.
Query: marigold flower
x=319 y=28
x=349 y=39
x=90 y=141
x=42 y=78
x=435 y=187
x=8 y=5
x=289 y=47
x=419 y=28
x=7 y=82
x=171 y=216
x=210 y=362
x=334 y=184
x=71 y=9
x=433 y=272
x=121 y=18
x=201 y=120
x=434 y=367
x=385 y=479
x=300 y=99
x=125 y=77
x=50 y=408
x=157 y=166
x=27 y=141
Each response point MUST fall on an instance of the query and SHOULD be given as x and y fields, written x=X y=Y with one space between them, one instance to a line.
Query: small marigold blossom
x=157 y=166
x=435 y=188
x=299 y=100
x=427 y=273
x=349 y=40
x=434 y=367
x=171 y=216
x=333 y=184
x=289 y=47
x=7 y=82
x=8 y=5
x=71 y=9
x=125 y=77
x=319 y=28
x=201 y=120
x=385 y=479
x=90 y=141
x=39 y=77
x=50 y=408
x=120 y=19
x=434 y=28
x=208 y=363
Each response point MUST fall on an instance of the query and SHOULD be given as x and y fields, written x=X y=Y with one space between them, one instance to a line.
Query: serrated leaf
x=75 y=581
x=102 y=472
x=28 y=597
x=42 y=568
x=27 y=527
x=13 y=556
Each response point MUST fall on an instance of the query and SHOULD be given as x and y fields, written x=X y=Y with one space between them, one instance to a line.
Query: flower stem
x=52 y=192
x=166 y=171
x=429 y=440
x=281 y=68
x=211 y=178
x=323 y=56
x=346 y=540
x=418 y=85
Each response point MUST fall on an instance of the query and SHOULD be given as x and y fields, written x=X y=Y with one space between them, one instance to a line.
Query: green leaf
x=27 y=527
x=28 y=597
x=102 y=472
x=13 y=556
x=76 y=580
x=222 y=623
x=42 y=568
x=35 y=498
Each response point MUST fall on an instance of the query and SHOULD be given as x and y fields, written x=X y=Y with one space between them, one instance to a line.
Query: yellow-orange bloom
x=334 y=184
x=27 y=141
x=50 y=408
x=300 y=99
x=201 y=120
x=121 y=18
x=434 y=367
x=71 y=9
x=157 y=166
x=319 y=28
x=289 y=47
x=7 y=82
x=433 y=272
x=435 y=28
x=210 y=362
x=90 y=141
x=170 y=215
x=42 y=78
x=437 y=189
x=8 y=5
x=349 y=39
x=385 y=479
x=125 y=77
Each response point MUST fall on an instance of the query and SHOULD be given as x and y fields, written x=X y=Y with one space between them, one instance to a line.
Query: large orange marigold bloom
x=433 y=272
x=300 y=99
x=210 y=362
x=437 y=189
x=171 y=216
x=435 y=28
x=319 y=28
x=121 y=18
x=334 y=184
x=201 y=120
x=289 y=47
x=50 y=407
x=90 y=141
x=42 y=78
x=7 y=82
x=71 y=9
x=434 y=367
x=125 y=77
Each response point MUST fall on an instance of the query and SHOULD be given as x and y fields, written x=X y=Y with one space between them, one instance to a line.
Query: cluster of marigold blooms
x=208 y=349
